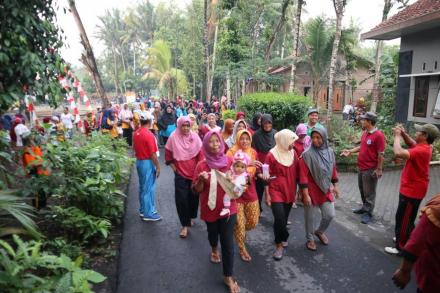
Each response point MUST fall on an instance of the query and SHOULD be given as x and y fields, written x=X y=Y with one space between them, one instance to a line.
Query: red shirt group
x=144 y=144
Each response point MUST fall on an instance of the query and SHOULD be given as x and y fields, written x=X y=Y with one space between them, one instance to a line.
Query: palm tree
x=297 y=26
x=339 y=9
x=12 y=206
x=171 y=79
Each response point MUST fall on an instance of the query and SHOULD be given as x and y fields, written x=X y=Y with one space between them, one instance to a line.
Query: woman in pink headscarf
x=304 y=141
x=182 y=153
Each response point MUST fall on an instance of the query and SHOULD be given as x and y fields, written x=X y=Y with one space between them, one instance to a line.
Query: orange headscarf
x=249 y=151
x=432 y=210
x=229 y=123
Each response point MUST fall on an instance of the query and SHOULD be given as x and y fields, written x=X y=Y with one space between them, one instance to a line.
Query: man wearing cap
x=148 y=168
x=313 y=116
x=370 y=162
x=414 y=179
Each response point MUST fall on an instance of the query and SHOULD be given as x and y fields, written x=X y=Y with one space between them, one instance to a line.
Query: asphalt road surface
x=154 y=259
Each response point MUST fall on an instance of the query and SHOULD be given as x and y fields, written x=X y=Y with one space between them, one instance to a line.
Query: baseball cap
x=430 y=129
x=312 y=110
x=369 y=116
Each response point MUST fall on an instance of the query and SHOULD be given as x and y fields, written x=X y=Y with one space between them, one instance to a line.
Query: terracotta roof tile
x=415 y=10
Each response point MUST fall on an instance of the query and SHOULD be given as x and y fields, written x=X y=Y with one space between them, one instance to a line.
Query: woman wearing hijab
x=182 y=153
x=109 y=123
x=304 y=141
x=167 y=123
x=194 y=125
x=263 y=141
x=318 y=185
x=228 y=129
x=256 y=122
x=281 y=188
x=248 y=210
x=211 y=203
x=211 y=125
x=238 y=125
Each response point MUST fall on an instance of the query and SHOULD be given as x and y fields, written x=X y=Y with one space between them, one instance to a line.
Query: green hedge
x=287 y=109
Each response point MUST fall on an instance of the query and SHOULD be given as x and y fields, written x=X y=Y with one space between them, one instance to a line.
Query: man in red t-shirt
x=370 y=162
x=148 y=168
x=414 y=179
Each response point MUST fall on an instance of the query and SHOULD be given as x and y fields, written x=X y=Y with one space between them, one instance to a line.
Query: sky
x=366 y=13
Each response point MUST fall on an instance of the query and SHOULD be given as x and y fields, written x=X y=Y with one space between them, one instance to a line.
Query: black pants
x=405 y=216
x=280 y=211
x=259 y=185
x=225 y=228
x=187 y=202
x=164 y=139
x=127 y=133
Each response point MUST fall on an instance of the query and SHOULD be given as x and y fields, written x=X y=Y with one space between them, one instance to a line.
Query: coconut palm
x=158 y=62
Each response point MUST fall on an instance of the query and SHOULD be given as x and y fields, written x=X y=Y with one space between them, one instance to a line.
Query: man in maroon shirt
x=148 y=168
x=370 y=162
x=414 y=179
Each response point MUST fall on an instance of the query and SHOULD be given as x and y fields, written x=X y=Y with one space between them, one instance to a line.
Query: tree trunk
x=115 y=65
x=228 y=86
x=134 y=60
x=211 y=71
x=89 y=59
x=277 y=29
x=243 y=87
x=206 y=51
x=379 y=47
x=295 y=44
x=339 y=9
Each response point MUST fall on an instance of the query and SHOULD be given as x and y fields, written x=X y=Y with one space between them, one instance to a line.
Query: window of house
x=421 y=96
x=436 y=112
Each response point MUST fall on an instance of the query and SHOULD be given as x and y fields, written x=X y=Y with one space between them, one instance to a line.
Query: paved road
x=154 y=259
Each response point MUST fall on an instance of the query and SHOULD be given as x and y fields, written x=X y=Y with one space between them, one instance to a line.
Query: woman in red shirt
x=318 y=185
x=182 y=153
x=281 y=189
x=248 y=210
x=211 y=204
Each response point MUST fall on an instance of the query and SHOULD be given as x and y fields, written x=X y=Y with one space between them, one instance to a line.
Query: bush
x=28 y=269
x=287 y=110
x=229 y=114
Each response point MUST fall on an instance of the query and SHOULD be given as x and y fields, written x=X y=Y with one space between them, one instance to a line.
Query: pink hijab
x=218 y=160
x=183 y=146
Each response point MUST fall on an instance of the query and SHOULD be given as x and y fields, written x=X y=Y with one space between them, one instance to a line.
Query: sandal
x=311 y=245
x=244 y=255
x=321 y=236
x=232 y=285
x=183 y=233
x=215 y=257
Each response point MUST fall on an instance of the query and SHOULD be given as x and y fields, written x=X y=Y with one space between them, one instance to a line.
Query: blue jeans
x=147 y=187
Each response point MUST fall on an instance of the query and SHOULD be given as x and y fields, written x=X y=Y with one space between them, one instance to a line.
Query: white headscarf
x=283 y=140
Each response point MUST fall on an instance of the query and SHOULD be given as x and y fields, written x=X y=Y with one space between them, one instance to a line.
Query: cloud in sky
x=367 y=14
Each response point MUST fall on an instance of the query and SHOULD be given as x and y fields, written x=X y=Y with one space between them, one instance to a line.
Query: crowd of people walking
x=232 y=169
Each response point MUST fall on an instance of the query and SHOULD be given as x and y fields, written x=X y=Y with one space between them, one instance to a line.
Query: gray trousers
x=367 y=187
x=327 y=214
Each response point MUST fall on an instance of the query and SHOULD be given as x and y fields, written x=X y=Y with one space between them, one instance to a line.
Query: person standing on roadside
x=148 y=168
x=126 y=118
x=370 y=163
x=67 y=120
x=414 y=180
x=313 y=116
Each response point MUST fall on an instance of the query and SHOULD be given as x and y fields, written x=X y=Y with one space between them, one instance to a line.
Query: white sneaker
x=394 y=239
x=392 y=250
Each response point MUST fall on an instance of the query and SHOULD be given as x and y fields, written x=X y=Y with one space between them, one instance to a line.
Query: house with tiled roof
x=418 y=86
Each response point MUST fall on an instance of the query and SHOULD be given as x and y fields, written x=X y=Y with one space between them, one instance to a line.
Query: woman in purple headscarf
x=211 y=203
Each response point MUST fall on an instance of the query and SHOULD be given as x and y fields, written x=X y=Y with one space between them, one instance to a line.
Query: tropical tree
x=158 y=62
x=297 y=26
x=339 y=6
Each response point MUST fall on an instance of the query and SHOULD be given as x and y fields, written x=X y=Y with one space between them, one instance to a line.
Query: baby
x=239 y=177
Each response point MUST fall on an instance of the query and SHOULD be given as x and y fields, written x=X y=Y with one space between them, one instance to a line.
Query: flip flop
x=233 y=286
x=183 y=233
x=245 y=256
x=215 y=258
x=322 y=237
x=311 y=245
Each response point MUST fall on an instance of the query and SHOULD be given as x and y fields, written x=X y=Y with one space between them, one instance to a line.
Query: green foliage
x=78 y=225
x=288 y=110
x=60 y=245
x=13 y=207
x=436 y=150
x=28 y=269
x=92 y=170
x=229 y=114
x=29 y=45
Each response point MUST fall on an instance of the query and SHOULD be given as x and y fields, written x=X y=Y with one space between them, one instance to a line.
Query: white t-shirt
x=348 y=109
x=67 y=120
x=20 y=129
